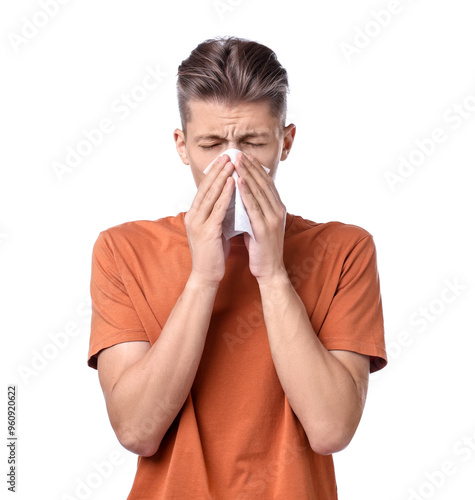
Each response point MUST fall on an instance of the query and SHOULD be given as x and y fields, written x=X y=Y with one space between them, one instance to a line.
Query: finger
x=254 y=167
x=222 y=203
x=210 y=189
x=214 y=171
x=264 y=179
x=255 y=189
x=254 y=208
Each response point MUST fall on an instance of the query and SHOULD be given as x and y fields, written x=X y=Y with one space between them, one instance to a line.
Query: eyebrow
x=247 y=135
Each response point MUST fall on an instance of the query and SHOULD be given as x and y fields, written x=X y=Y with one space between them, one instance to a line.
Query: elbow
x=145 y=446
x=141 y=437
x=328 y=447
x=142 y=449
x=330 y=440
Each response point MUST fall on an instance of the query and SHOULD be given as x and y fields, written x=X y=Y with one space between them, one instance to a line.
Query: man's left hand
x=267 y=214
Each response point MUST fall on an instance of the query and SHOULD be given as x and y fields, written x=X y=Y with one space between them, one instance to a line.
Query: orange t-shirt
x=236 y=436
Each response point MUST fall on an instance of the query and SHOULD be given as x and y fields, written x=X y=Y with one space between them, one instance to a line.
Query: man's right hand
x=144 y=385
x=204 y=220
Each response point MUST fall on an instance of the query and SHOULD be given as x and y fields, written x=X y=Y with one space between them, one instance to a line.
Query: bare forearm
x=150 y=393
x=320 y=390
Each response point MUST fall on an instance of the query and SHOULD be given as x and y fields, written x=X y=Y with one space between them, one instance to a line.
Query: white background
x=355 y=115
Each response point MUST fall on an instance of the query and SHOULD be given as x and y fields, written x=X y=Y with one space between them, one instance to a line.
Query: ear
x=289 y=136
x=179 y=137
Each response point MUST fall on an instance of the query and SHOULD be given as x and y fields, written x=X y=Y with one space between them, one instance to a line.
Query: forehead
x=210 y=118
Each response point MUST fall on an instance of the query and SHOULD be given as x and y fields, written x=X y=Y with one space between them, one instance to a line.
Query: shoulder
x=333 y=233
x=142 y=232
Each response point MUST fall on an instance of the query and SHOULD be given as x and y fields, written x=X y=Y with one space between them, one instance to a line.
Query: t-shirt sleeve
x=354 y=321
x=114 y=319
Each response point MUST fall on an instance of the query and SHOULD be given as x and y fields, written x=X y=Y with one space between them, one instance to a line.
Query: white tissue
x=236 y=220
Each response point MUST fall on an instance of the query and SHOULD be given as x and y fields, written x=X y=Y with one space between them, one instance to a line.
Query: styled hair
x=230 y=71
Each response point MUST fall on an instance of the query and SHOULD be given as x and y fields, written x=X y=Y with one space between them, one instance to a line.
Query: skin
x=144 y=384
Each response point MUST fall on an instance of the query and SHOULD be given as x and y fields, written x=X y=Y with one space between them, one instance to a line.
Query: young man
x=235 y=368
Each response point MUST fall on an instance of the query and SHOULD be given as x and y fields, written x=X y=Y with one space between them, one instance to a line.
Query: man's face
x=249 y=127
